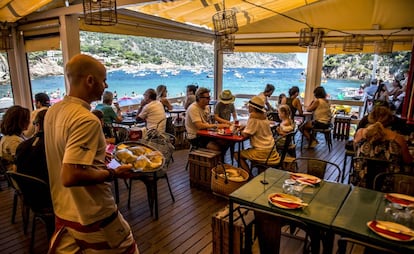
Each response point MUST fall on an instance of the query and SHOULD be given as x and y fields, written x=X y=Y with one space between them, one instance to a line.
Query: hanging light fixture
x=100 y=12
x=225 y=22
x=226 y=43
x=5 y=38
x=310 y=37
x=383 y=47
x=353 y=43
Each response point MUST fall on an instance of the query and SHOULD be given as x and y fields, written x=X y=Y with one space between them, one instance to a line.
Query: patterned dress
x=374 y=158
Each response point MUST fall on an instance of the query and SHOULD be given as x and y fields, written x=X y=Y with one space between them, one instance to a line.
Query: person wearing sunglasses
x=197 y=118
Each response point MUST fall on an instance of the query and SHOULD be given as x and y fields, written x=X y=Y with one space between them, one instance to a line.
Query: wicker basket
x=224 y=184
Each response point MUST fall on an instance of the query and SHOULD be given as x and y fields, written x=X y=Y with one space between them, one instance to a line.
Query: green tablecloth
x=361 y=206
x=324 y=199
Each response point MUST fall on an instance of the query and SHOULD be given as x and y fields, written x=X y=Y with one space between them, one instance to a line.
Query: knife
x=395 y=230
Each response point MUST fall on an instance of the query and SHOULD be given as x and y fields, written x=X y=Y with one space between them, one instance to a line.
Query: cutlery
x=395 y=230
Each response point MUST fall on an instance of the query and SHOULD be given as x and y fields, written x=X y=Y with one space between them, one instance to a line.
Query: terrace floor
x=183 y=226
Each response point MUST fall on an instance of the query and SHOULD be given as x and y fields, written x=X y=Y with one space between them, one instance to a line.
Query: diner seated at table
x=15 y=121
x=190 y=98
x=152 y=111
x=224 y=109
x=378 y=142
x=162 y=97
x=31 y=154
x=106 y=107
x=42 y=102
x=197 y=118
x=287 y=124
x=265 y=95
x=396 y=124
x=260 y=135
x=293 y=102
x=322 y=116
x=107 y=130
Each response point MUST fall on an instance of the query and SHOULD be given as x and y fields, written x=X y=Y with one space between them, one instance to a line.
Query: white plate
x=394 y=227
x=390 y=196
x=296 y=202
x=311 y=178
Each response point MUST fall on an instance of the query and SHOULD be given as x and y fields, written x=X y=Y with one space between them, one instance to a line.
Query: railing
x=357 y=105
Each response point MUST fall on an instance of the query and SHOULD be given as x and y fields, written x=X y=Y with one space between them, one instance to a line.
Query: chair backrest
x=319 y=168
x=287 y=141
x=394 y=182
x=343 y=241
x=162 y=142
x=36 y=193
x=269 y=228
x=366 y=169
x=121 y=134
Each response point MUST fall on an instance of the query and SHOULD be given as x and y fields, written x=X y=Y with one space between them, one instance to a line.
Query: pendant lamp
x=353 y=43
x=100 y=12
x=310 y=37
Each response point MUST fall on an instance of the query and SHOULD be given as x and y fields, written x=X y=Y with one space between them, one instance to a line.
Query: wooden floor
x=183 y=226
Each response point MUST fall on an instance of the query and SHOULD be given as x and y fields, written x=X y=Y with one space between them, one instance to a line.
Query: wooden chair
x=263 y=165
x=36 y=196
x=346 y=245
x=394 y=182
x=318 y=168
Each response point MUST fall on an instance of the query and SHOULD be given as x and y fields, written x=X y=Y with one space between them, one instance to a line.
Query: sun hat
x=257 y=103
x=226 y=97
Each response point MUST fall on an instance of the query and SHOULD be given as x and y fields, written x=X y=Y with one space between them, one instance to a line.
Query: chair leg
x=129 y=193
x=25 y=217
x=33 y=233
x=169 y=187
x=15 y=200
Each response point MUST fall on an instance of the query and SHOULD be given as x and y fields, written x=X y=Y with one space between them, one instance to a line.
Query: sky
x=303 y=57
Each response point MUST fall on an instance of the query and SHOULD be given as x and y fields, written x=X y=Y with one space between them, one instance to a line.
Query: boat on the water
x=350 y=93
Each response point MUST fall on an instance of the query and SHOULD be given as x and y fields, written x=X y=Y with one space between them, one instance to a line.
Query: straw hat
x=226 y=97
x=257 y=103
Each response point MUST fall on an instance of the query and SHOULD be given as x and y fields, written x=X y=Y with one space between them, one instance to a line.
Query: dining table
x=324 y=201
x=233 y=138
x=361 y=206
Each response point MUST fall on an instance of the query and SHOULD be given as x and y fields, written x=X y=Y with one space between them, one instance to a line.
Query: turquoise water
x=238 y=80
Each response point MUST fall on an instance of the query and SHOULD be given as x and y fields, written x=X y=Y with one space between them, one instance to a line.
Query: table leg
x=328 y=242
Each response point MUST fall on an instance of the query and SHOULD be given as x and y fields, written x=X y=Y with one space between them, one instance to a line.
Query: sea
x=238 y=80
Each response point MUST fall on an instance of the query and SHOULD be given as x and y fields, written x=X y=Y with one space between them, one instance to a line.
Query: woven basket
x=224 y=184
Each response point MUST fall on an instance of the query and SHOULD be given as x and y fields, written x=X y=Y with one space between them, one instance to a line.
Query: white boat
x=238 y=75
x=350 y=93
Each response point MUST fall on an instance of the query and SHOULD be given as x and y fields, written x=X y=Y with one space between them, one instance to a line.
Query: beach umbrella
x=128 y=101
x=53 y=101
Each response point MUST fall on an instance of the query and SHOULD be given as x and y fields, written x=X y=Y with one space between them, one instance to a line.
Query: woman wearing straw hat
x=225 y=108
x=260 y=134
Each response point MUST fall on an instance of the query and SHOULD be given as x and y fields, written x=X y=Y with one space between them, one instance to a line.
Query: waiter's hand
x=124 y=171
